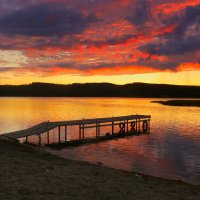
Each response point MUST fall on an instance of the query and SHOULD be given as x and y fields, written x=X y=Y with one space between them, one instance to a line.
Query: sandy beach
x=27 y=173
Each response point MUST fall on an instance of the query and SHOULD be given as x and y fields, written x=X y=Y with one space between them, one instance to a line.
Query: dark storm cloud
x=141 y=13
x=191 y=17
x=9 y=6
x=45 y=20
x=87 y=67
x=40 y=43
x=77 y=66
x=174 y=46
x=184 y=39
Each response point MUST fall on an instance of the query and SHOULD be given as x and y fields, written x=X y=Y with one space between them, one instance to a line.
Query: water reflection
x=172 y=149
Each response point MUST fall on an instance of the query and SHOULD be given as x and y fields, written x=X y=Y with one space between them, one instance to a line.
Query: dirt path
x=28 y=174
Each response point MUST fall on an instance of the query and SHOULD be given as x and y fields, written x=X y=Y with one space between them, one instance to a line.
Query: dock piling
x=59 y=139
x=139 y=125
x=113 y=127
x=65 y=133
x=79 y=131
x=39 y=137
x=83 y=132
x=47 y=136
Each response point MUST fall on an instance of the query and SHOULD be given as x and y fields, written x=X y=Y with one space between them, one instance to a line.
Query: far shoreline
x=134 y=90
x=127 y=97
x=185 y=102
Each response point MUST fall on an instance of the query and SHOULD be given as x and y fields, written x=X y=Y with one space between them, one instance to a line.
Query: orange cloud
x=164 y=30
x=120 y=70
x=188 y=67
x=171 y=8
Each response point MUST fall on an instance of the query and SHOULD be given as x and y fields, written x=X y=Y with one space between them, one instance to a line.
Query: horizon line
x=26 y=84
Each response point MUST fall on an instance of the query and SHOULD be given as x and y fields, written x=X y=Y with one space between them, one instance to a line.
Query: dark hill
x=100 y=90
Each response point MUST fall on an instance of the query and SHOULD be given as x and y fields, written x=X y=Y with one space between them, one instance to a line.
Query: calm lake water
x=172 y=150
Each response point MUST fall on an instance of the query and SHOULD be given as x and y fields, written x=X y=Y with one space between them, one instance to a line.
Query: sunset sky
x=117 y=41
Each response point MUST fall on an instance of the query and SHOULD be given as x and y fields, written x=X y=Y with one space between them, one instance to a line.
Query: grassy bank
x=26 y=173
x=195 y=103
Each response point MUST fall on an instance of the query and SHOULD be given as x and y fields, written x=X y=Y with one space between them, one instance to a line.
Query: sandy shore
x=26 y=173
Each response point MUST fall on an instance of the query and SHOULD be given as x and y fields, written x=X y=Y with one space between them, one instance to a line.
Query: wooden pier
x=120 y=127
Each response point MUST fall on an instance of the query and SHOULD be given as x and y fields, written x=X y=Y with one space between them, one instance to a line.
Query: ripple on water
x=172 y=149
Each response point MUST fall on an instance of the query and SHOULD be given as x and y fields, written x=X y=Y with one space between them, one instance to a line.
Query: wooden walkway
x=126 y=123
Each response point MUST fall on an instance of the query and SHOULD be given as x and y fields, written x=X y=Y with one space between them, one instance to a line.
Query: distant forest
x=100 y=90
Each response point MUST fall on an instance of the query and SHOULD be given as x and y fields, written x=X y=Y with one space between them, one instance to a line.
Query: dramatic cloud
x=174 y=46
x=141 y=13
x=190 y=18
x=45 y=20
x=184 y=39
x=98 y=37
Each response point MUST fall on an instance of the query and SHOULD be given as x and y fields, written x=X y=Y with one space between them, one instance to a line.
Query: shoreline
x=190 y=103
x=137 y=89
x=127 y=171
x=27 y=173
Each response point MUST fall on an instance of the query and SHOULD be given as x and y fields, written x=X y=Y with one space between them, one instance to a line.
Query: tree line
x=100 y=90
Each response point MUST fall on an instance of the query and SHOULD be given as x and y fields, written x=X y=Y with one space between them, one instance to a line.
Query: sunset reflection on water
x=172 y=149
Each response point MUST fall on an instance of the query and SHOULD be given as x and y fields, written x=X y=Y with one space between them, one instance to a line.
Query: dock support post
x=83 y=133
x=136 y=123
x=139 y=125
x=112 y=128
x=65 y=133
x=26 y=139
x=39 y=136
x=99 y=130
x=48 y=137
x=127 y=126
x=96 y=129
x=80 y=131
x=59 y=134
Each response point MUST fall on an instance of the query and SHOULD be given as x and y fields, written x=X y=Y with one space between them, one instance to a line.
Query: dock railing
x=120 y=127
